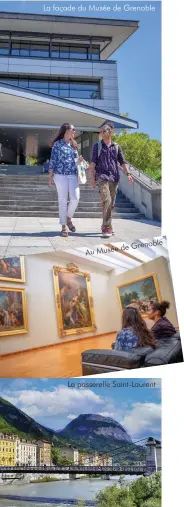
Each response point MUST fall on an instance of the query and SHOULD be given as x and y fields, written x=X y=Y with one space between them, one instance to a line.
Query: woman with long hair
x=162 y=327
x=63 y=173
x=134 y=332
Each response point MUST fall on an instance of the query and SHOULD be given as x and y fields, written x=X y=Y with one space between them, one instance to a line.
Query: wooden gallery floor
x=55 y=361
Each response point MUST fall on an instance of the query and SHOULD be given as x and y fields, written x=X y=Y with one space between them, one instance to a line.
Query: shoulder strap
x=99 y=147
x=117 y=147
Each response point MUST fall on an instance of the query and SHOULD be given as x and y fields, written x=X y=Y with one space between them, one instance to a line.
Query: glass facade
x=43 y=49
x=58 y=87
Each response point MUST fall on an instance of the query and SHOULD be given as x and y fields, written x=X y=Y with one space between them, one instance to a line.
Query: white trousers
x=67 y=185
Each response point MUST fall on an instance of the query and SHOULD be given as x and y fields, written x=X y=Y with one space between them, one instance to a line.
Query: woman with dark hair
x=134 y=331
x=162 y=327
x=63 y=173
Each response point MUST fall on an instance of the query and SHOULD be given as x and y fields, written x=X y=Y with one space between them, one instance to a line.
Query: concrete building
x=95 y=459
x=55 y=69
x=26 y=452
x=7 y=450
x=43 y=452
x=70 y=453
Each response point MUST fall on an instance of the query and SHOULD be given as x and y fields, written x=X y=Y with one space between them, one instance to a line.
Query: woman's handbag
x=82 y=165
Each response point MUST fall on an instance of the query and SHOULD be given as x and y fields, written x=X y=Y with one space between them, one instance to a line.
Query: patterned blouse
x=126 y=339
x=62 y=159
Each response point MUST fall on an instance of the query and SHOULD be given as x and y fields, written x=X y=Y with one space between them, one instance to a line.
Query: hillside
x=87 y=432
x=13 y=420
x=92 y=432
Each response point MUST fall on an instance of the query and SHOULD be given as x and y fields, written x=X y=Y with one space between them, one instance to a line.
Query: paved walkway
x=22 y=236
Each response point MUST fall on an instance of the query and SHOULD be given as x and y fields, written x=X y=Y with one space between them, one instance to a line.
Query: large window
x=43 y=49
x=58 y=87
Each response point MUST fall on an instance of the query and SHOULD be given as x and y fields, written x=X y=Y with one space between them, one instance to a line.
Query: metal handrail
x=143 y=175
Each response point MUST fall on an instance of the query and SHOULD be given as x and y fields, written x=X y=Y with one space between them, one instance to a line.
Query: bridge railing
x=73 y=468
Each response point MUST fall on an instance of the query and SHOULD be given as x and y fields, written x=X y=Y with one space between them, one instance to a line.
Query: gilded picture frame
x=13 y=311
x=74 y=302
x=12 y=269
x=147 y=284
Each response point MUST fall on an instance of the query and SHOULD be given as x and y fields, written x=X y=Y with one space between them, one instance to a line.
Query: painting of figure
x=139 y=293
x=73 y=301
x=13 y=312
x=12 y=269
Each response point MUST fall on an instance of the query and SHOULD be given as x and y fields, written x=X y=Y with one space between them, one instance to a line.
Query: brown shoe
x=71 y=227
x=64 y=232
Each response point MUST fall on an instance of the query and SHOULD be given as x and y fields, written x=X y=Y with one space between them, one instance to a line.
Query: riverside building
x=43 y=452
x=26 y=453
x=56 y=69
x=7 y=450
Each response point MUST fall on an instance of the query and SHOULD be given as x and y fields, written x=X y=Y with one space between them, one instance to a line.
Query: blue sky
x=139 y=59
x=55 y=402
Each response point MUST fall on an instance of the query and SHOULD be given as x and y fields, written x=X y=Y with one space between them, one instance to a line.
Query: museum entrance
x=20 y=146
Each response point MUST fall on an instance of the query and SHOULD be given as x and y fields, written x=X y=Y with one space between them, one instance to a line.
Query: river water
x=81 y=489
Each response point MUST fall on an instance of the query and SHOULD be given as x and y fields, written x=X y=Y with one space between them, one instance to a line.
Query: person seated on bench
x=134 y=331
x=162 y=327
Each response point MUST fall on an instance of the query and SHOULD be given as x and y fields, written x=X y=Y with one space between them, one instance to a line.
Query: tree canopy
x=144 y=492
x=141 y=151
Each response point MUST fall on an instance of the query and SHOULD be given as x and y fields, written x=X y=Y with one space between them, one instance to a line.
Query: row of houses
x=17 y=451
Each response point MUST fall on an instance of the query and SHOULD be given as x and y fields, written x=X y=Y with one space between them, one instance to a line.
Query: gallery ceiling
x=120 y=256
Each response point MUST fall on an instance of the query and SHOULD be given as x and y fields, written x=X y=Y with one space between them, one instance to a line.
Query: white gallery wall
x=42 y=317
x=160 y=267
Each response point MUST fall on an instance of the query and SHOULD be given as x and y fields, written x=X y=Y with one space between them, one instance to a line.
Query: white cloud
x=71 y=416
x=58 y=401
x=142 y=419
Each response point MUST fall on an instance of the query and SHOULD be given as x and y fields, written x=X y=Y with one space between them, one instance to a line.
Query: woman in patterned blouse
x=63 y=173
x=134 y=331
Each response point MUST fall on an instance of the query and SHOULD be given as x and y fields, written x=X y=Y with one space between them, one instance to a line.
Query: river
x=81 y=489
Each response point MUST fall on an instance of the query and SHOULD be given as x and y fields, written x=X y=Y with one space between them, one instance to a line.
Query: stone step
x=54 y=207
x=37 y=202
x=81 y=215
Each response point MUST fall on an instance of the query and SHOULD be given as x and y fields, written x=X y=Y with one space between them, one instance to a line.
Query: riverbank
x=45 y=479
x=42 y=500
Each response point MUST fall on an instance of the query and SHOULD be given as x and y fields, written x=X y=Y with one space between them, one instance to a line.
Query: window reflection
x=41 y=49
x=57 y=87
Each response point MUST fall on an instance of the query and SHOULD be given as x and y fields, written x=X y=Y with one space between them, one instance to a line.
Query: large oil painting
x=74 y=303
x=13 y=311
x=139 y=293
x=12 y=269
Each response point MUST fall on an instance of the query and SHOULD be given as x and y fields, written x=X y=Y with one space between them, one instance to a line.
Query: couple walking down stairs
x=24 y=191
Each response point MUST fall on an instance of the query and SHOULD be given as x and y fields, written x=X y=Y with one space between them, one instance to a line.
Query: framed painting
x=74 y=303
x=139 y=293
x=12 y=269
x=13 y=311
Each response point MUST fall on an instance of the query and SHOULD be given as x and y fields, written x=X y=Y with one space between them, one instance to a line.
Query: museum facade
x=56 y=69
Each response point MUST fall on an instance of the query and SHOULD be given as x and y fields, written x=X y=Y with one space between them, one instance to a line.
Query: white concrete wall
x=107 y=72
x=147 y=200
x=42 y=319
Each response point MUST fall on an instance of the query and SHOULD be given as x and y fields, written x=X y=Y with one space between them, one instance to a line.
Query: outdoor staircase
x=24 y=191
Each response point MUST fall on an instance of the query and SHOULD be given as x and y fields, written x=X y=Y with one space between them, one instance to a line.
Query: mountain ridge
x=87 y=432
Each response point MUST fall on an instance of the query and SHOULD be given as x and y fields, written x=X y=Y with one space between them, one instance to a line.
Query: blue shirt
x=126 y=340
x=62 y=159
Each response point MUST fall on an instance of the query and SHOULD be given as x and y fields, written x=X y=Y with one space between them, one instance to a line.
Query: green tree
x=58 y=459
x=141 y=151
x=152 y=502
x=146 y=488
x=81 y=503
x=114 y=497
x=144 y=492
